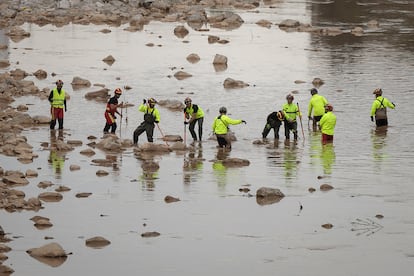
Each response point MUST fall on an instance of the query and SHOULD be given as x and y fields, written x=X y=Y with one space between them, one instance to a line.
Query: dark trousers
x=315 y=121
x=53 y=124
x=108 y=126
x=191 y=127
x=381 y=122
x=223 y=141
x=57 y=113
x=110 y=122
x=275 y=124
x=291 y=126
x=148 y=128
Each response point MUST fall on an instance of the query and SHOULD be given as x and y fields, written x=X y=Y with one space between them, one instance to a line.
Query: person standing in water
x=328 y=123
x=57 y=99
x=220 y=128
x=111 y=109
x=317 y=105
x=379 y=108
x=194 y=114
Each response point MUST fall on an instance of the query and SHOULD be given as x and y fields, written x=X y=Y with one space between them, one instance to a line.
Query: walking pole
x=300 y=119
x=126 y=107
x=185 y=132
x=120 y=124
x=162 y=134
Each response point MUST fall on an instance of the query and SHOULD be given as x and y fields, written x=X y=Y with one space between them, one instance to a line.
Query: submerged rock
x=152 y=147
x=231 y=83
x=150 y=234
x=51 y=254
x=101 y=173
x=266 y=196
x=43 y=224
x=325 y=187
x=235 y=162
x=181 y=31
x=170 y=199
x=220 y=59
x=5 y=270
x=50 y=197
x=78 y=82
x=193 y=58
x=15 y=180
x=80 y=195
x=327 y=226
x=97 y=242
x=172 y=104
x=51 y=250
x=180 y=75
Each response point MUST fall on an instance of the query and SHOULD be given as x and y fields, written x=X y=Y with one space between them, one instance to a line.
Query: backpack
x=381 y=113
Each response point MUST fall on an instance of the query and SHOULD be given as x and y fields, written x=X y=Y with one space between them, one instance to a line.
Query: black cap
x=314 y=91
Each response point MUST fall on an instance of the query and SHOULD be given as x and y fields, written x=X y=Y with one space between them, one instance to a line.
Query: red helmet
x=118 y=91
x=329 y=107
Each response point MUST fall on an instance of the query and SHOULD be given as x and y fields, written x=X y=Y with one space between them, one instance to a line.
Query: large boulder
x=220 y=59
x=266 y=196
x=227 y=20
x=78 y=83
x=100 y=95
x=16 y=34
x=51 y=254
x=97 y=242
x=180 y=31
x=231 y=83
x=156 y=148
x=181 y=75
x=172 y=104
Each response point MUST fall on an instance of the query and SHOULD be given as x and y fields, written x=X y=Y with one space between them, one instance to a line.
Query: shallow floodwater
x=215 y=229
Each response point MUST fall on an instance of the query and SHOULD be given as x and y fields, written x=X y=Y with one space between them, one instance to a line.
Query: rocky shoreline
x=116 y=12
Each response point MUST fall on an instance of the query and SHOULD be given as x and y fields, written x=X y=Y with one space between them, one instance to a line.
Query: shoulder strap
x=219 y=117
x=381 y=102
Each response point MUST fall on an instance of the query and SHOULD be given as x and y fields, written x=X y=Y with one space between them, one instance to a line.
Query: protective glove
x=244 y=122
x=185 y=122
x=157 y=122
x=393 y=104
x=144 y=101
x=309 y=117
x=372 y=118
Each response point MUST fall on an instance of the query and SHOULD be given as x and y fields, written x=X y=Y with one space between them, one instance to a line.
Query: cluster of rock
x=136 y=13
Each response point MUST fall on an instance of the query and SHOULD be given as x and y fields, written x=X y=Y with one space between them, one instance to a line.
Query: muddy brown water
x=215 y=229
